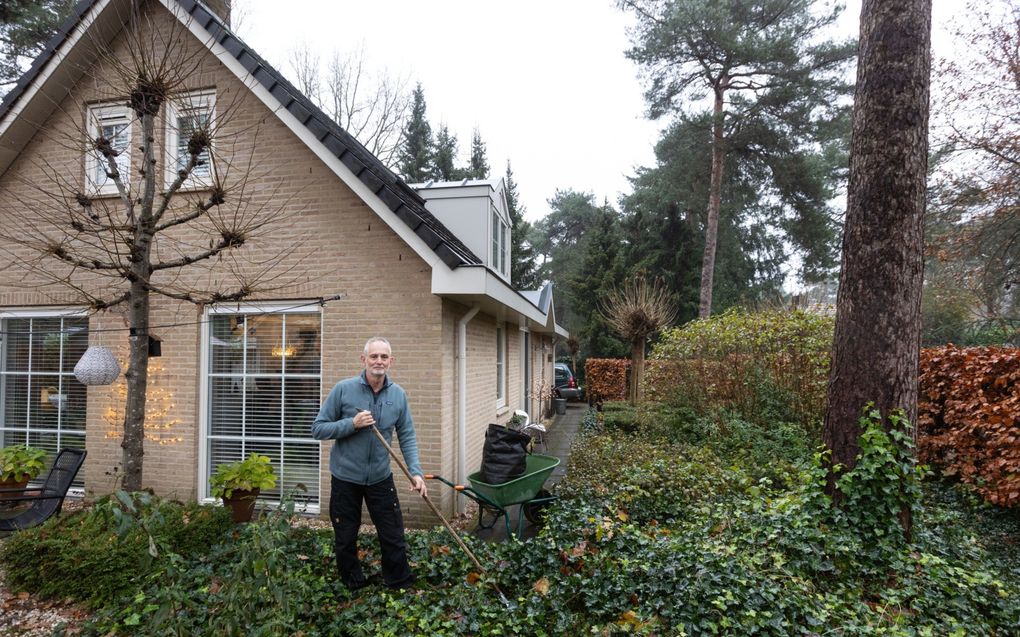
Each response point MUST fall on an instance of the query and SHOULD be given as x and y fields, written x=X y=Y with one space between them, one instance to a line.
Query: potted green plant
x=239 y=484
x=19 y=464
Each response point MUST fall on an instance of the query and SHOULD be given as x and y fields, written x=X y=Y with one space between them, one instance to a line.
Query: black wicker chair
x=43 y=501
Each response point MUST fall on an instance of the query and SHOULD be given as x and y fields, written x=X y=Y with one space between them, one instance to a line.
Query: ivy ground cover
x=669 y=523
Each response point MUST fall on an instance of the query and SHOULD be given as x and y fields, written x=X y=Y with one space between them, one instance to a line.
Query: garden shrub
x=770 y=365
x=969 y=418
x=606 y=379
x=760 y=449
x=645 y=479
x=96 y=555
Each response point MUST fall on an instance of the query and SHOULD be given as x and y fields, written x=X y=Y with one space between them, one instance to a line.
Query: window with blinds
x=113 y=123
x=41 y=402
x=264 y=391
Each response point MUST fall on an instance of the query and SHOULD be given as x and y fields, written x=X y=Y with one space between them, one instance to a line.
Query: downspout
x=462 y=400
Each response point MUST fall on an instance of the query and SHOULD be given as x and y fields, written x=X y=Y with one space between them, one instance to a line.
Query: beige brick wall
x=325 y=240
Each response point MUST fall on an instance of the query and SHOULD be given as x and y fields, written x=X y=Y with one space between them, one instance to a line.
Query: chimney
x=220 y=8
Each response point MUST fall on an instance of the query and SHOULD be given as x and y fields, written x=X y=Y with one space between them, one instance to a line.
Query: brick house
x=360 y=253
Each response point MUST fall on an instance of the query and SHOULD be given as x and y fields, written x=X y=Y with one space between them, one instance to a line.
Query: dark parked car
x=566 y=385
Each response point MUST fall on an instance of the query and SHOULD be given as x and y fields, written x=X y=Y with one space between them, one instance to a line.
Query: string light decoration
x=160 y=422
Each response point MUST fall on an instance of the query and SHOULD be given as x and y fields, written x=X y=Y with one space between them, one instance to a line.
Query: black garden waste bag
x=505 y=454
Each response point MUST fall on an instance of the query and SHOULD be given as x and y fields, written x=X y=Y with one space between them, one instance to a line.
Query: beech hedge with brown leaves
x=969 y=418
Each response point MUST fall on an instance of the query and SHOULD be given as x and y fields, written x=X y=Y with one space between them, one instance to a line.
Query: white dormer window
x=185 y=115
x=500 y=240
x=113 y=123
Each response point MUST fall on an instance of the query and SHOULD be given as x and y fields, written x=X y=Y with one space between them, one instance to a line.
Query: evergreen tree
x=415 y=161
x=443 y=168
x=580 y=243
x=25 y=27
x=479 y=165
x=559 y=236
x=665 y=219
x=767 y=66
x=599 y=270
x=523 y=270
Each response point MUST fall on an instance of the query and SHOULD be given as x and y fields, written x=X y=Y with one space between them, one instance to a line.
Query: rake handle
x=403 y=467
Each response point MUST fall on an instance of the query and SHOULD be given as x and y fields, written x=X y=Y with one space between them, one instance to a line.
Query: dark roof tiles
x=395 y=194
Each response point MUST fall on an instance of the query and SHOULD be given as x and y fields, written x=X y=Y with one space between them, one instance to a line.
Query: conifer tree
x=766 y=65
x=443 y=168
x=25 y=27
x=415 y=163
x=478 y=167
x=523 y=271
x=599 y=271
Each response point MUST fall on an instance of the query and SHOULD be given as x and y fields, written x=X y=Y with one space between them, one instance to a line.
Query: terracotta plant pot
x=12 y=484
x=241 y=504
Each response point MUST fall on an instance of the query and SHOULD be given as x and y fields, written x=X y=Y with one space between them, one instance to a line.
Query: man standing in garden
x=360 y=465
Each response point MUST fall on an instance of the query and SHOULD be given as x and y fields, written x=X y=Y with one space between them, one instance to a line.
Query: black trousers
x=384 y=508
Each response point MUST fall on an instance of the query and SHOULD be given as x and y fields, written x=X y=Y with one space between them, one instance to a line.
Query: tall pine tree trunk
x=878 y=327
x=714 y=198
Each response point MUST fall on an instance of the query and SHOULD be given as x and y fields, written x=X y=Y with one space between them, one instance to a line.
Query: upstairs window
x=500 y=239
x=113 y=123
x=184 y=116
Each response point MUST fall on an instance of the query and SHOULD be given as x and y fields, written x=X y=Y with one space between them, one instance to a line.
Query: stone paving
x=560 y=435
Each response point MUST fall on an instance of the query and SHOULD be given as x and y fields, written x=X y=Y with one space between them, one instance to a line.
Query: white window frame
x=42 y=313
x=204 y=175
x=500 y=240
x=501 y=366
x=99 y=115
x=204 y=398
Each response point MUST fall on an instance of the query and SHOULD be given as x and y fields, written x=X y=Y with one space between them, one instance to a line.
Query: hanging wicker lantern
x=97 y=366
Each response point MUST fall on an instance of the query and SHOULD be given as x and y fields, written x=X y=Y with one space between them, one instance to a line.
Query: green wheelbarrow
x=495 y=499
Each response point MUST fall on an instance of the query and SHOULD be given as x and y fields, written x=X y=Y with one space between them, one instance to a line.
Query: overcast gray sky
x=545 y=81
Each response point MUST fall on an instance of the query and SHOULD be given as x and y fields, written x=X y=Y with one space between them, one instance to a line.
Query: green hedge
x=766 y=365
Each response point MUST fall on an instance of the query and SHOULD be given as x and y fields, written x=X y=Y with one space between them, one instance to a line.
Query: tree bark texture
x=136 y=377
x=877 y=337
x=714 y=199
x=637 y=370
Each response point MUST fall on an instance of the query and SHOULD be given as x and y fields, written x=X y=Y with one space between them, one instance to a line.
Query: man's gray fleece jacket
x=357 y=455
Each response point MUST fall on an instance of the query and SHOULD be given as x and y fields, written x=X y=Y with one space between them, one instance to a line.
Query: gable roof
x=398 y=197
x=465 y=277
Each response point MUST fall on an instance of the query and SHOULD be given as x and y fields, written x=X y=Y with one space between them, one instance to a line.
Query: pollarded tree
x=635 y=310
x=138 y=225
x=764 y=64
x=878 y=309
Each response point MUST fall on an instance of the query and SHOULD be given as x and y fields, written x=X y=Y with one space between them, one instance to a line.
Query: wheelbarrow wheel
x=534 y=511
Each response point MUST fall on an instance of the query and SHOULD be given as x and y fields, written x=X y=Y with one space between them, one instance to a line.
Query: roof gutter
x=462 y=399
